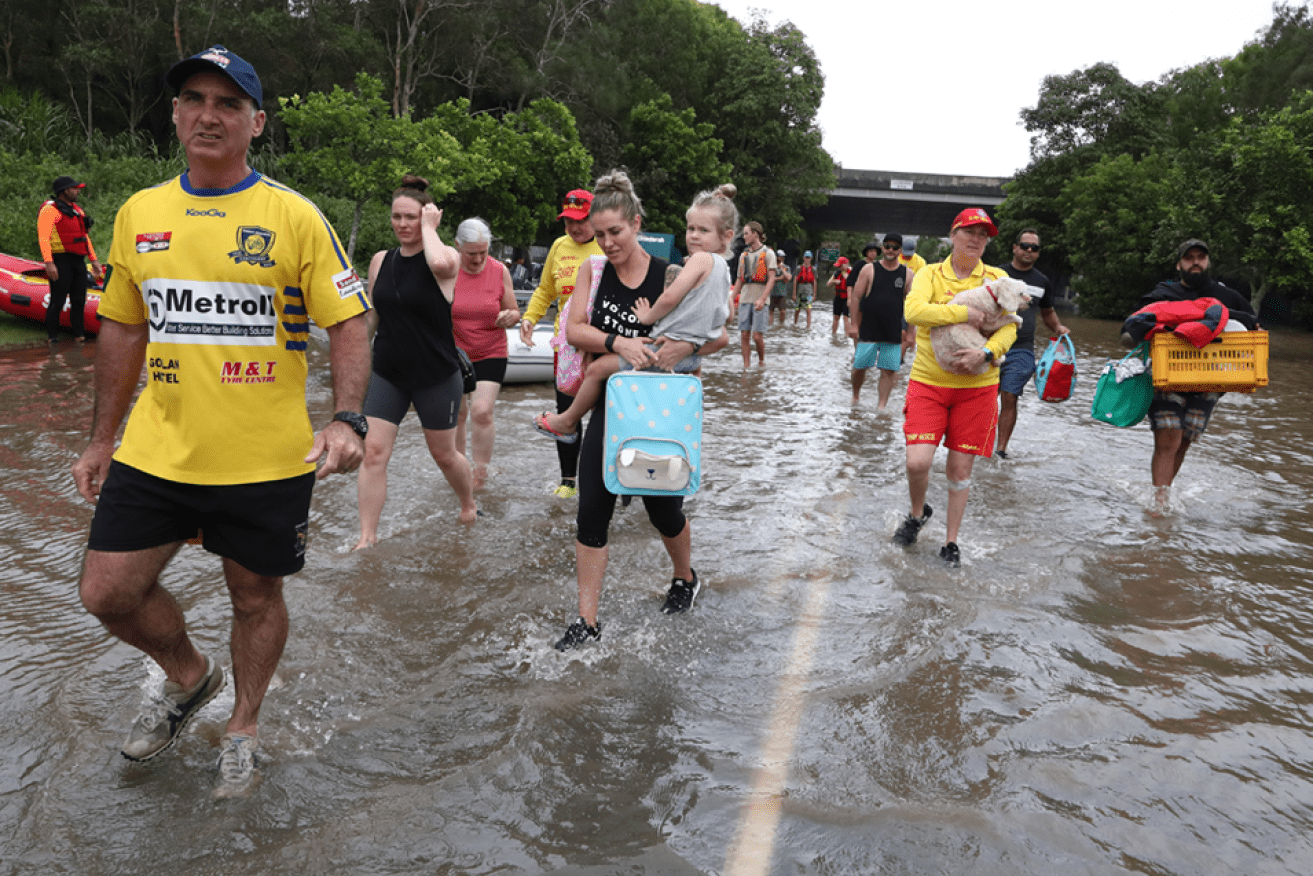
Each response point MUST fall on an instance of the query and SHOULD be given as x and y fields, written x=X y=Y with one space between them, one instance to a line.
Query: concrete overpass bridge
x=909 y=203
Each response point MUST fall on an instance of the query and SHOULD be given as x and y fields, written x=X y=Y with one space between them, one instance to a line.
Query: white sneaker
x=237 y=760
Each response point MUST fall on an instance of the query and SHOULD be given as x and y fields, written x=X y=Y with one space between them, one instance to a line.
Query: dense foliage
x=1121 y=173
x=503 y=105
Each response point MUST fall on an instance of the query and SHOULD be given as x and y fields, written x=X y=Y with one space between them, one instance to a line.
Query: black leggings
x=568 y=454
x=597 y=504
x=71 y=287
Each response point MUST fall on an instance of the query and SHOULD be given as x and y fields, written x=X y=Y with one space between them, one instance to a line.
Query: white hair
x=473 y=230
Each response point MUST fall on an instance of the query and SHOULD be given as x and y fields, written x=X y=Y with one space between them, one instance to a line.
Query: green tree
x=512 y=170
x=766 y=113
x=1252 y=201
x=1115 y=222
x=348 y=145
x=672 y=157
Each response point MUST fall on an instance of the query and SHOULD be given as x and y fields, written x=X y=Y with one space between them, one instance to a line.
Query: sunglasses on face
x=892 y=246
x=1029 y=247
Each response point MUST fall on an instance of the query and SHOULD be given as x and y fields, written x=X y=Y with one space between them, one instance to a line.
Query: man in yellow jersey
x=214 y=277
x=960 y=406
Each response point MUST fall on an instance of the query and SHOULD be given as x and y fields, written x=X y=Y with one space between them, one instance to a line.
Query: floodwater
x=1096 y=690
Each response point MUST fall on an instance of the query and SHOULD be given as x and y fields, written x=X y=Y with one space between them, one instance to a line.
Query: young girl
x=693 y=307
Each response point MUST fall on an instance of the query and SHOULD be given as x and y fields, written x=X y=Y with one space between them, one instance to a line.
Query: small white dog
x=1000 y=300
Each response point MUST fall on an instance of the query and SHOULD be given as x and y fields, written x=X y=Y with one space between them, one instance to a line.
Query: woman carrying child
x=630 y=276
x=693 y=308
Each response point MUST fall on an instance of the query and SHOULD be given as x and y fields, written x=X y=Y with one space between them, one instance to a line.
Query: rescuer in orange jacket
x=62 y=229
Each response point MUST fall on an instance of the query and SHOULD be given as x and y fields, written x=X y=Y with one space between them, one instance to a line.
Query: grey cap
x=1192 y=243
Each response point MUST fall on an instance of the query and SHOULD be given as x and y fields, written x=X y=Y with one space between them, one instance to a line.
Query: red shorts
x=964 y=419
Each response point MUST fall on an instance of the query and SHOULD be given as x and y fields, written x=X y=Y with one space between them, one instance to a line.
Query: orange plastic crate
x=1235 y=362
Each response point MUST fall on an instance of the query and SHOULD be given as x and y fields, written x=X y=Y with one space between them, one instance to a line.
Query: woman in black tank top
x=629 y=274
x=414 y=356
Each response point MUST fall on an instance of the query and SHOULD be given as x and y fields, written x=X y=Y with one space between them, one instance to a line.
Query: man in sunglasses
x=1019 y=366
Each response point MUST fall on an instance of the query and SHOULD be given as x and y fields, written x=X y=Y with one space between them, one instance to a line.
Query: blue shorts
x=753 y=320
x=1016 y=371
x=886 y=357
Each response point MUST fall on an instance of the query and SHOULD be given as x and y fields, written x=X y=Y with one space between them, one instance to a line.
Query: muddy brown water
x=1095 y=691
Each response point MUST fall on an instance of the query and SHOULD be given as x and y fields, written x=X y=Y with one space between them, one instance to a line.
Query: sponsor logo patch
x=253 y=246
x=155 y=241
x=191 y=211
x=348 y=283
x=193 y=312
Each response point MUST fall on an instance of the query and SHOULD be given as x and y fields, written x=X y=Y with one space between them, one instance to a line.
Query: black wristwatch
x=989 y=355
x=357 y=422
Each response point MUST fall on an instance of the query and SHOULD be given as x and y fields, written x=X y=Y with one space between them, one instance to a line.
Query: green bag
x=1126 y=402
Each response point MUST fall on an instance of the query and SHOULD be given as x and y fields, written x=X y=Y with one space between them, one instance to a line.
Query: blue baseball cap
x=217 y=58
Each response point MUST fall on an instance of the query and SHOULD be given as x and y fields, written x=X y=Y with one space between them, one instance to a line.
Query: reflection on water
x=1095 y=690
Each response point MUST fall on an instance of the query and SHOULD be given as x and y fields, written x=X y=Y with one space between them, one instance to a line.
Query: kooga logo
x=209 y=212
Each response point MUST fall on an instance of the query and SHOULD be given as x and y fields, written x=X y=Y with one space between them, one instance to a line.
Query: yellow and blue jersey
x=229 y=281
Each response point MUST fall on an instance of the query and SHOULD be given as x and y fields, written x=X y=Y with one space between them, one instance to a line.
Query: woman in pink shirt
x=481 y=310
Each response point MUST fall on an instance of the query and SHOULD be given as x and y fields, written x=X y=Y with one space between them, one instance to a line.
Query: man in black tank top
x=876 y=319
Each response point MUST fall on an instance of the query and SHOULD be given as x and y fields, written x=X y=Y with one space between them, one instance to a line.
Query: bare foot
x=469 y=515
x=365 y=542
x=479 y=474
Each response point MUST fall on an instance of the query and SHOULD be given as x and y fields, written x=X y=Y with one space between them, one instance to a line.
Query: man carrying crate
x=1179 y=418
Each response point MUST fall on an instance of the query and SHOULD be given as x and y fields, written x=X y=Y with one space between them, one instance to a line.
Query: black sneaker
x=681 y=594
x=578 y=633
x=911 y=527
x=1001 y=454
x=951 y=555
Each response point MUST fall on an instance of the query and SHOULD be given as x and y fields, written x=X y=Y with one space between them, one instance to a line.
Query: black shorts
x=438 y=406
x=490 y=369
x=261 y=526
x=840 y=306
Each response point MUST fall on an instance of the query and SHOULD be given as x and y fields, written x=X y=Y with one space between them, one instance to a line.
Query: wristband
x=610 y=342
x=989 y=354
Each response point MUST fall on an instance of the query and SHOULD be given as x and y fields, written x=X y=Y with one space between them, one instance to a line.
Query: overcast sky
x=937 y=86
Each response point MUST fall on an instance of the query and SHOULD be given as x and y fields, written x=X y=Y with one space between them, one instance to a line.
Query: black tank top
x=414 y=345
x=613 y=307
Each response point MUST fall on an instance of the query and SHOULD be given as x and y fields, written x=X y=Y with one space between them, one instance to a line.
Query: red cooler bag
x=1055 y=376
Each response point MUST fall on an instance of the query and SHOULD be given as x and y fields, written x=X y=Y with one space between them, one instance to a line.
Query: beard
x=1194 y=279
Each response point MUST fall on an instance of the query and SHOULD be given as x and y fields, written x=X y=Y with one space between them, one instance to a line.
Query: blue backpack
x=653 y=434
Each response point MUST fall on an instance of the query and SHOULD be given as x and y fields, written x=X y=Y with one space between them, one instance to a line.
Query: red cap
x=974 y=216
x=576 y=205
x=841 y=261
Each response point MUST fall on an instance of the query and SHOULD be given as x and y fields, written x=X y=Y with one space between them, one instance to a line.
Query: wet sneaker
x=578 y=633
x=911 y=527
x=681 y=594
x=566 y=491
x=1001 y=454
x=951 y=555
x=167 y=713
x=237 y=762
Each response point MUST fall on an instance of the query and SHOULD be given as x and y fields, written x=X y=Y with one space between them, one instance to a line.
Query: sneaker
x=167 y=714
x=1001 y=454
x=578 y=633
x=237 y=763
x=951 y=555
x=681 y=595
x=911 y=527
x=566 y=491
